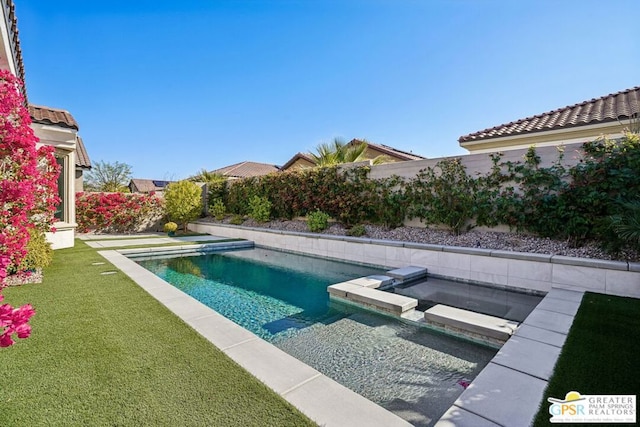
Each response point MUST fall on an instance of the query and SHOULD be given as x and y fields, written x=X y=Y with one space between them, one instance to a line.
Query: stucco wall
x=477 y=163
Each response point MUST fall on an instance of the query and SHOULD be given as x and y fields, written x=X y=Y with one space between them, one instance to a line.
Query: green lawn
x=104 y=352
x=601 y=354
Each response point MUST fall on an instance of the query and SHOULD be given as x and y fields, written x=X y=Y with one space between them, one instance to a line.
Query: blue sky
x=172 y=87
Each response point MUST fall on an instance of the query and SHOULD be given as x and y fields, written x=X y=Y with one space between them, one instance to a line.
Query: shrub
x=28 y=194
x=626 y=225
x=170 y=227
x=357 y=231
x=317 y=221
x=443 y=195
x=39 y=252
x=217 y=189
x=237 y=220
x=217 y=209
x=260 y=209
x=183 y=202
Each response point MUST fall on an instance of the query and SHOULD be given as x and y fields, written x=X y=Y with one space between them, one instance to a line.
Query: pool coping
x=512 y=377
x=319 y=397
x=518 y=374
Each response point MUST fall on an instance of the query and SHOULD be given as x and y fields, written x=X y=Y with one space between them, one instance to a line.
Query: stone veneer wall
x=524 y=271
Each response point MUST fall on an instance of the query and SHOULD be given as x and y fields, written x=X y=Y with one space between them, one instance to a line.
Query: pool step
x=362 y=291
x=406 y=274
x=493 y=329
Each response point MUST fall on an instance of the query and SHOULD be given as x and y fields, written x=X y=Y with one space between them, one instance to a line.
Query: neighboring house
x=53 y=127
x=608 y=115
x=147 y=186
x=391 y=155
x=299 y=161
x=246 y=170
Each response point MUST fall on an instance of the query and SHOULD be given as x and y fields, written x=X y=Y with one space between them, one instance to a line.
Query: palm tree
x=327 y=154
x=339 y=152
x=206 y=176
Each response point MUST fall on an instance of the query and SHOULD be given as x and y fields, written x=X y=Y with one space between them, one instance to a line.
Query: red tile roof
x=609 y=108
x=52 y=116
x=246 y=170
x=82 y=158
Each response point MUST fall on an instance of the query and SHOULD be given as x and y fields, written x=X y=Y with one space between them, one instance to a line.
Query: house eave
x=552 y=137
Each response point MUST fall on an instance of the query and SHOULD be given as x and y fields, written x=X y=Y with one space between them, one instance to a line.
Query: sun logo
x=567 y=407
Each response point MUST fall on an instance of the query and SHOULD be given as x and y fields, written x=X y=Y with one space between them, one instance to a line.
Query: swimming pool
x=282 y=297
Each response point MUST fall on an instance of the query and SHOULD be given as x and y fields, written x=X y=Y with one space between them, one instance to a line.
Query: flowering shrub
x=28 y=195
x=116 y=212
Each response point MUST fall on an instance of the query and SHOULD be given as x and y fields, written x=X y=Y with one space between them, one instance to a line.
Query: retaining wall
x=523 y=271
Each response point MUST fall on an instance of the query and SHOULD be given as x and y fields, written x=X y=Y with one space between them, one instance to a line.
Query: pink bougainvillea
x=116 y=212
x=28 y=195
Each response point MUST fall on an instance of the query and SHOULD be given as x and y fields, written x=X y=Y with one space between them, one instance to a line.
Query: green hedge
x=580 y=203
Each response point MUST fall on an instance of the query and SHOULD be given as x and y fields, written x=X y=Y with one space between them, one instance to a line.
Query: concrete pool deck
x=516 y=377
x=97 y=241
x=510 y=388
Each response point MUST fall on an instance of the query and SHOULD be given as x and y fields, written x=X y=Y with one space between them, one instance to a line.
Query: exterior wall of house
x=64 y=141
x=578 y=134
x=7 y=54
x=300 y=164
x=79 y=181
x=371 y=153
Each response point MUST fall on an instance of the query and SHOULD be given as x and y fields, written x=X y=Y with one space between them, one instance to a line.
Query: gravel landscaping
x=516 y=242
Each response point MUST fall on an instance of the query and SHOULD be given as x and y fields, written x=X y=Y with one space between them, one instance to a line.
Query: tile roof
x=609 y=108
x=148 y=185
x=14 y=40
x=295 y=158
x=52 y=116
x=390 y=151
x=82 y=158
x=246 y=170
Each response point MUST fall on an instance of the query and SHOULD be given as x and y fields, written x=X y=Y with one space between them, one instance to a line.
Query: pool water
x=282 y=297
x=504 y=303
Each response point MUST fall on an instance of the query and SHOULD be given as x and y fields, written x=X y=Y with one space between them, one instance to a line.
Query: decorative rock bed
x=24 y=278
x=516 y=242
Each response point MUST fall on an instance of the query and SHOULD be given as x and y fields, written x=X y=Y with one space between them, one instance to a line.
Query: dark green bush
x=575 y=204
x=217 y=209
x=357 y=231
x=626 y=225
x=443 y=195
